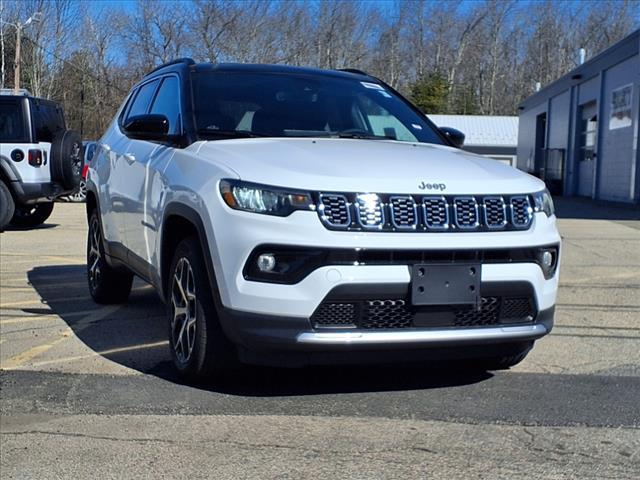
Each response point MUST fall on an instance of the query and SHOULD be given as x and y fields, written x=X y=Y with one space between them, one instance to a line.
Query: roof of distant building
x=482 y=130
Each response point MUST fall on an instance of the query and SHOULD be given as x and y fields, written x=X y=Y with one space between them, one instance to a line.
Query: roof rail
x=11 y=91
x=354 y=70
x=185 y=60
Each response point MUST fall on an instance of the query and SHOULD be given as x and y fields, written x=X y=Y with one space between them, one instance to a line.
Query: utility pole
x=35 y=18
x=16 y=67
x=1 y=44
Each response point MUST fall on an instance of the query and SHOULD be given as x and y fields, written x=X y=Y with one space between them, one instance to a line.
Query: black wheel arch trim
x=192 y=216
x=9 y=170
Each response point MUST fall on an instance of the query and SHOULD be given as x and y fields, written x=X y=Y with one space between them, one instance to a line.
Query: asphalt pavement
x=88 y=391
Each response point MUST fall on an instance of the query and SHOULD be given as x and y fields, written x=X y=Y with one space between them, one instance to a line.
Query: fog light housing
x=266 y=262
x=548 y=261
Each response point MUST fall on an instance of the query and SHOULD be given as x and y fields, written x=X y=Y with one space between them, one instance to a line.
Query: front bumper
x=274 y=319
x=282 y=341
x=243 y=232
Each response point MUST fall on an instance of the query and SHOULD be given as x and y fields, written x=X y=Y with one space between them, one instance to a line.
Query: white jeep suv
x=40 y=160
x=293 y=216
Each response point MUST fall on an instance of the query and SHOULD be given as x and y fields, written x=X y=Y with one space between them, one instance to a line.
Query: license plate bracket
x=446 y=284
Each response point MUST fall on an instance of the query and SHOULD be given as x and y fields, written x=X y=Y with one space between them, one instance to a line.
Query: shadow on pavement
x=584 y=208
x=43 y=226
x=134 y=335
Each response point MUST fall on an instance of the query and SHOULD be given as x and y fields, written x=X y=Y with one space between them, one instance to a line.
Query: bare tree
x=477 y=57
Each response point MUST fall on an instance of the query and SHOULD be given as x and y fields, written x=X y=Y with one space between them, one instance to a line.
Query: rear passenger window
x=47 y=121
x=140 y=104
x=12 y=126
x=167 y=103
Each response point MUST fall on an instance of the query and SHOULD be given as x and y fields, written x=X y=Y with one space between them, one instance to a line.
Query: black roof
x=37 y=100
x=257 y=68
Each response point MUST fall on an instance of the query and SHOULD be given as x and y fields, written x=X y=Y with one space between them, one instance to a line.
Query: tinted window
x=140 y=104
x=299 y=104
x=12 y=125
x=90 y=150
x=47 y=121
x=167 y=102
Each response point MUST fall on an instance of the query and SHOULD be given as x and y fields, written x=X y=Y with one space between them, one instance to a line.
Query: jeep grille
x=370 y=211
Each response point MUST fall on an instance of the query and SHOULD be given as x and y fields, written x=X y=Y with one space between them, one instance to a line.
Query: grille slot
x=376 y=314
x=436 y=213
x=335 y=315
x=370 y=210
x=487 y=315
x=495 y=212
x=403 y=212
x=521 y=212
x=334 y=210
x=386 y=314
x=516 y=310
x=466 y=212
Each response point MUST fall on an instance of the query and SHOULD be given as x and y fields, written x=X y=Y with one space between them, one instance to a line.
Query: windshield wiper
x=360 y=135
x=205 y=132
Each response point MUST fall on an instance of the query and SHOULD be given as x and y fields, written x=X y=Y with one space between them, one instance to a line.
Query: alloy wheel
x=81 y=194
x=183 y=305
x=93 y=258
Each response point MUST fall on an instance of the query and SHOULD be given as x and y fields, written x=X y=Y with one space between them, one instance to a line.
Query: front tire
x=106 y=284
x=199 y=347
x=7 y=206
x=30 y=216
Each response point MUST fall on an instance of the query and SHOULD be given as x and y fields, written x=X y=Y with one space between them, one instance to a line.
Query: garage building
x=493 y=136
x=580 y=133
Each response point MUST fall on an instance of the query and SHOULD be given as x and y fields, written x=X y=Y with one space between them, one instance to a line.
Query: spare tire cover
x=66 y=159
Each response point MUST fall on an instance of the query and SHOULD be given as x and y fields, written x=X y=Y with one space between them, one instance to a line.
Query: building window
x=588 y=137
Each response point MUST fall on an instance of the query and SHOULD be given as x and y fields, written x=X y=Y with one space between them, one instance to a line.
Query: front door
x=146 y=161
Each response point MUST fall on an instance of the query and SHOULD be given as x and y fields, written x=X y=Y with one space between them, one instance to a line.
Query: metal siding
x=558 y=121
x=527 y=136
x=589 y=90
x=616 y=155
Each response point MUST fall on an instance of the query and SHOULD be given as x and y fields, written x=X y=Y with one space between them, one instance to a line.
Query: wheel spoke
x=93 y=256
x=183 y=303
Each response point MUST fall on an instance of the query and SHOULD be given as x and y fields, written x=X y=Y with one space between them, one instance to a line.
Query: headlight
x=543 y=202
x=251 y=197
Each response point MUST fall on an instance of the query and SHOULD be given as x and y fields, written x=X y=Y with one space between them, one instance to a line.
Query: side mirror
x=456 y=137
x=151 y=126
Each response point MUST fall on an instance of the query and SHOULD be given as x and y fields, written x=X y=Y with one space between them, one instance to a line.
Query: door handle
x=130 y=158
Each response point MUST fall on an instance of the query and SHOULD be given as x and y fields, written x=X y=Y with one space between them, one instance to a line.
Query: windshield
x=240 y=104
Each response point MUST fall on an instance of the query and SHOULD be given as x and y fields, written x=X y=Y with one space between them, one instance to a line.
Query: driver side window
x=140 y=104
x=167 y=103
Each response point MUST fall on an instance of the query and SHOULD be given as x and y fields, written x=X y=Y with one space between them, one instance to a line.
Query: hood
x=349 y=165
